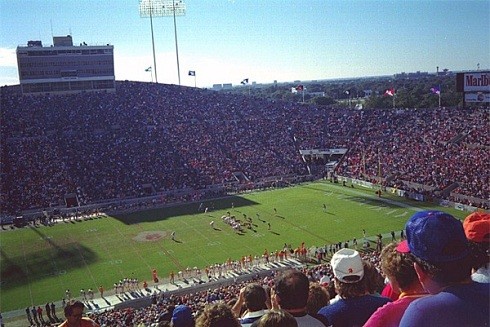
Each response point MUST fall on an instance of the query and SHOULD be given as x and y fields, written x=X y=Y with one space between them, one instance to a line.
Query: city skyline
x=226 y=41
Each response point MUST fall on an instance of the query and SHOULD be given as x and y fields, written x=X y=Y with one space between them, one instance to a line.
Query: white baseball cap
x=346 y=263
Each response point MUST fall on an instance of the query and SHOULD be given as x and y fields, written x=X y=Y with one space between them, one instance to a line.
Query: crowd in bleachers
x=103 y=146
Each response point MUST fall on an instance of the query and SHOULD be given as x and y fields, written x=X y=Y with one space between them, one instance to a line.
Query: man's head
x=439 y=245
x=477 y=229
x=348 y=270
x=347 y=266
x=292 y=288
x=74 y=312
x=398 y=267
x=255 y=297
x=435 y=236
x=318 y=297
x=218 y=314
x=182 y=316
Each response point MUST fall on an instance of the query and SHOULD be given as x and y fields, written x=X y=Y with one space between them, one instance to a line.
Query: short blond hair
x=398 y=266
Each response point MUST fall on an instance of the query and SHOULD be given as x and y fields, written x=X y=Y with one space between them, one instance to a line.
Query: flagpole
x=439 y=95
x=153 y=44
x=176 y=44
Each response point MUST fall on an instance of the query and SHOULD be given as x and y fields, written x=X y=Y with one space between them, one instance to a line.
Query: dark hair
x=373 y=280
x=445 y=273
x=72 y=304
x=255 y=297
x=318 y=298
x=292 y=287
x=350 y=290
x=331 y=290
x=480 y=253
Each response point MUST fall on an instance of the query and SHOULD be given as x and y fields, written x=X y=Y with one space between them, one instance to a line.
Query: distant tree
x=323 y=101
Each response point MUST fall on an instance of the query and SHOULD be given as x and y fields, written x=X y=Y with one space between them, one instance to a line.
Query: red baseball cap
x=477 y=227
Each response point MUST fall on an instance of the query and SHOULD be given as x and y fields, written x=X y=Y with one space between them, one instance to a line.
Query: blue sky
x=225 y=41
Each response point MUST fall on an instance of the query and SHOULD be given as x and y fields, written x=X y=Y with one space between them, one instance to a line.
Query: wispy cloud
x=7 y=57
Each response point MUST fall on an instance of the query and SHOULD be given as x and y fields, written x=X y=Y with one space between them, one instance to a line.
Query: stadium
x=136 y=197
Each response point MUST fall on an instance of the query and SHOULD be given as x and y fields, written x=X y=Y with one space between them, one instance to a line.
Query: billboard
x=473 y=82
x=477 y=97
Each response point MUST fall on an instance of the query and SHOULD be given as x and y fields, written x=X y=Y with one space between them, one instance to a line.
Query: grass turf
x=39 y=263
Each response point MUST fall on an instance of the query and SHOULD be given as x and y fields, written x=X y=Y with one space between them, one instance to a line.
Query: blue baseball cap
x=435 y=236
x=182 y=316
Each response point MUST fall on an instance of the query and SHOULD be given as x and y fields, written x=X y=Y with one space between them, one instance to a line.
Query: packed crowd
x=103 y=146
x=437 y=276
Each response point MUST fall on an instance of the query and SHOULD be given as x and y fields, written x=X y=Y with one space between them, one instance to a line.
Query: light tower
x=151 y=8
x=174 y=8
x=160 y=8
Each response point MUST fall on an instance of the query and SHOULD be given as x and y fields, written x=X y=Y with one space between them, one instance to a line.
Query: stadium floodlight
x=173 y=8
x=160 y=8
x=152 y=8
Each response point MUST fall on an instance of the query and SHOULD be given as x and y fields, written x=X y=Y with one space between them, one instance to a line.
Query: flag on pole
x=245 y=81
x=192 y=73
x=389 y=92
x=436 y=90
x=148 y=69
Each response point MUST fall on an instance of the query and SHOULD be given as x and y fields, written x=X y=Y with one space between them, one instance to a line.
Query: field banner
x=459 y=206
x=444 y=203
x=416 y=196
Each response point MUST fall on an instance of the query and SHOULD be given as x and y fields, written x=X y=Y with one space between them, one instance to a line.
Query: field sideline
x=39 y=263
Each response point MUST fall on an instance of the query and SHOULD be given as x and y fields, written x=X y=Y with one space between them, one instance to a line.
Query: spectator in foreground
x=217 y=315
x=477 y=229
x=398 y=267
x=182 y=317
x=318 y=297
x=291 y=294
x=276 y=318
x=355 y=305
x=443 y=265
x=253 y=298
x=74 y=316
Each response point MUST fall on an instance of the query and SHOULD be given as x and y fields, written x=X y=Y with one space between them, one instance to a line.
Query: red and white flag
x=389 y=92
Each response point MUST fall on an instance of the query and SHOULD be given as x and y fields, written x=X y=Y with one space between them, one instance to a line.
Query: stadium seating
x=165 y=137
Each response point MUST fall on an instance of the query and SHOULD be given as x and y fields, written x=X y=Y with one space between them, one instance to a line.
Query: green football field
x=39 y=263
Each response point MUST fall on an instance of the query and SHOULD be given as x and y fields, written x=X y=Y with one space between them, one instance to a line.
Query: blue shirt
x=352 y=312
x=459 y=305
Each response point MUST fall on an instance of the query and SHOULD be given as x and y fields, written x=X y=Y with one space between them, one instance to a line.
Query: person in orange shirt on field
x=266 y=256
x=154 y=275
